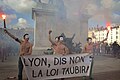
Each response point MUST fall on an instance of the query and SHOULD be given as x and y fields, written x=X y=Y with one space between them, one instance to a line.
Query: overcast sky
x=99 y=11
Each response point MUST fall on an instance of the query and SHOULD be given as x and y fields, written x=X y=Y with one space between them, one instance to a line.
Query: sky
x=99 y=12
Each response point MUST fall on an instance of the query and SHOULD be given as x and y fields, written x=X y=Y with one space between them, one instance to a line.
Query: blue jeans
x=20 y=69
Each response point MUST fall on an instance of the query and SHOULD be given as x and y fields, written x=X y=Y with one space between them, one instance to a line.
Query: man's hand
x=5 y=31
x=105 y=39
x=21 y=54
x=50 y=31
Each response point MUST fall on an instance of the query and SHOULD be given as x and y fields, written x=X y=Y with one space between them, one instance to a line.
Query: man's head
x=26 y=37
x=115 y=42
x=89 y=39
x=56 y=39
x=61 y=38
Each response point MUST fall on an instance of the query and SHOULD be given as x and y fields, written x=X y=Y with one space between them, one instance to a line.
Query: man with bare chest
x=88 y=48
x=58 y=46
x=25 y=49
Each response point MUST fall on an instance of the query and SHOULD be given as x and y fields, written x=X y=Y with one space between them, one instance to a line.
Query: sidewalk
x=105 y=68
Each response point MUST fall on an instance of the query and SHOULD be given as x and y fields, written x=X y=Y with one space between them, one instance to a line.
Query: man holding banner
x=89 y=49
x=58 y=66
x=25 y=49
x=58 y=46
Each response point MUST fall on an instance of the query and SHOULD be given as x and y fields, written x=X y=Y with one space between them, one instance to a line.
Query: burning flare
x=108 y=26
x=3 y=16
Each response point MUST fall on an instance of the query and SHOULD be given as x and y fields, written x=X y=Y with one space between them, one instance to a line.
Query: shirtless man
x=89 y=45
x=58 y=45
x=89 y=49
x=25 y=49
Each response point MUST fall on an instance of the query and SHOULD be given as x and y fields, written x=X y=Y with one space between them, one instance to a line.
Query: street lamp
x=4 y=16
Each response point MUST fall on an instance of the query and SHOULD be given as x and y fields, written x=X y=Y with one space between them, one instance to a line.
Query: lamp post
x=4 y=16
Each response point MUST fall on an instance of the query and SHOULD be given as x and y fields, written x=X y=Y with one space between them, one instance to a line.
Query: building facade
x=98 y=34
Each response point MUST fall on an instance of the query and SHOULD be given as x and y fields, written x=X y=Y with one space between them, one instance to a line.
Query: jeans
x=20 y=69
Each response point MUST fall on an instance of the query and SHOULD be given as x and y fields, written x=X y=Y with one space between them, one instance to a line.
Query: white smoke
x=116 y=19
x=21 y=24
x=97 y=10
x=23 y=6
x=75 y=8
x=10 y=17
x=108 y=4
x=44 y=1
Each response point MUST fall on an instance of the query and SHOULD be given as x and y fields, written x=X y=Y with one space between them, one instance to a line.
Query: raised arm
x=105 y=38
x=12 y=36
x=53 y=43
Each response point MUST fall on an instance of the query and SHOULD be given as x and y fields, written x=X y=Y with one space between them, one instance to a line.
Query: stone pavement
x=105 y=68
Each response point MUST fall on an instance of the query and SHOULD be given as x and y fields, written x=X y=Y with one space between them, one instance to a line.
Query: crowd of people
x=59 y=46
x=105 y=48
x=9 y=47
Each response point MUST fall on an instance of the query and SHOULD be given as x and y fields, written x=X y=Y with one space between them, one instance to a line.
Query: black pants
x=20 y=69
x=58 y=79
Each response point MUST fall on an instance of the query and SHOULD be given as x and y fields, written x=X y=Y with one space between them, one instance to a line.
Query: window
x=116 y=28
x=116 y=32
x=116 y=37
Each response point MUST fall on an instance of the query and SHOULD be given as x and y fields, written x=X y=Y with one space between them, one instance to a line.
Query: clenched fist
x=5 y=31
x=50 y=31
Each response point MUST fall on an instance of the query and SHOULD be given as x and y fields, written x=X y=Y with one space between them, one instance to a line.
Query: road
x=105 y=68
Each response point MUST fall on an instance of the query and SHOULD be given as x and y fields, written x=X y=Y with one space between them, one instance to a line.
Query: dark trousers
x=59 y=79
x=20 y=69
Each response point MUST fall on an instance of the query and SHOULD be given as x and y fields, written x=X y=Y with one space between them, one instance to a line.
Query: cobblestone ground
x=105 y=68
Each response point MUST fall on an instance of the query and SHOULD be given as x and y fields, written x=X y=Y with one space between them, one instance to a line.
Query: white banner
x=56 y=66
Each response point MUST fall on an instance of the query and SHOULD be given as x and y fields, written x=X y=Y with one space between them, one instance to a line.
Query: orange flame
x=108 y=26
x=3 y=16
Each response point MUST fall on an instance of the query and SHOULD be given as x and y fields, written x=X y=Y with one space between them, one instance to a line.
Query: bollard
x=90 y=75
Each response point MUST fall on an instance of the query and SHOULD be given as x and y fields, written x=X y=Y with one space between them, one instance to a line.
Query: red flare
x=108 y=26
x=3 y=16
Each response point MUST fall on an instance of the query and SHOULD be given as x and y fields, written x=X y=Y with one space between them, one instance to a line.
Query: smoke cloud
x=22 y=6
x=21 y=24
x=108 y=9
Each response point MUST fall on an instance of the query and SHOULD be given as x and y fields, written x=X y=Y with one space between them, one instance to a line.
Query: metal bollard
x=90 y=75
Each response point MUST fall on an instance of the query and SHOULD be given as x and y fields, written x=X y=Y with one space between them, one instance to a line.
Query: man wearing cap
x=25 y=49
